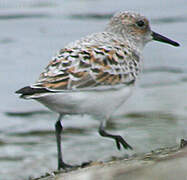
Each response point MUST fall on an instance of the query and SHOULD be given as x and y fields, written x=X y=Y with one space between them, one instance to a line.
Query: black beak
x=158 y=37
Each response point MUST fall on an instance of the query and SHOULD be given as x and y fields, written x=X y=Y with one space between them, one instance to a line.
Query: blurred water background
x=32 y=31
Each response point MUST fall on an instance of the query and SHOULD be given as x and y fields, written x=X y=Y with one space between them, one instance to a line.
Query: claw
x=65 y=166
x=120 y=141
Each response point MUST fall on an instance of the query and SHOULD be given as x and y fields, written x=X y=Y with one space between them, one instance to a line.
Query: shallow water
x=33 y=31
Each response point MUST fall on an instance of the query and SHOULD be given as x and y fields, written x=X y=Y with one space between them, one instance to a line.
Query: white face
x=131 y=26
x=135 y=28
x=138 y=28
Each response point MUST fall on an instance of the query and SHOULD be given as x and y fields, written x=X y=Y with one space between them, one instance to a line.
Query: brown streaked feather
x=56 y=85
x=102 y=77
x=89 y=67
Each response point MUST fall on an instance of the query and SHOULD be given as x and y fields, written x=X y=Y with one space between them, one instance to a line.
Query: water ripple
x=163 y=69
x=22 y=16
x=169 y=20
x=26 y=113
x=98 y=16
x=33 y=133
x=152 y=115
x=8 y=158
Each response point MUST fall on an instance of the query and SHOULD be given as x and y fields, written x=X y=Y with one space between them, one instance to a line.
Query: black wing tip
x=30 y=91
x=24 y=91
x=176 y=44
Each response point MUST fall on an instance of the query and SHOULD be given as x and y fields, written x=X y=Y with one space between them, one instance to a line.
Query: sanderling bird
x=96 y=74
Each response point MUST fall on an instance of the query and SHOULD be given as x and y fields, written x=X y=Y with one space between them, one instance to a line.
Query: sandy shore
x=163 y=164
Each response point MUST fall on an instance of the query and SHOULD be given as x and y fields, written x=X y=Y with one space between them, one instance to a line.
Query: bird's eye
x=140 y=23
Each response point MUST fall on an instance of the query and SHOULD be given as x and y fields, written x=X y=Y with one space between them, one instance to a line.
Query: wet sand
x=163 y=164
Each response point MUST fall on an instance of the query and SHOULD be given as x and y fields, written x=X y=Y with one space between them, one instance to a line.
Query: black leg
x=119 y=140
x=58 y=131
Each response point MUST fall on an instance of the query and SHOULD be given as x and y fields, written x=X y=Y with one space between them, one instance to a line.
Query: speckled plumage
x=102 y=61
x=96 y=74
x=91 y=66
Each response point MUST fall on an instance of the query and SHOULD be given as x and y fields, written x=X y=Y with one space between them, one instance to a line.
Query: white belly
x=102 y=103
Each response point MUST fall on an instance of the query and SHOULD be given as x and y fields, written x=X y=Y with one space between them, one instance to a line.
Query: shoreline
x=164 y=163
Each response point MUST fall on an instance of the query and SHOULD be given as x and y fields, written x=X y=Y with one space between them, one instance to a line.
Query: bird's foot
x=120 y=141
x=65 y=166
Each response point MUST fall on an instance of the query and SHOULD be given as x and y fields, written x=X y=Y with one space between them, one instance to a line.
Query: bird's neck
x=125 y=37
